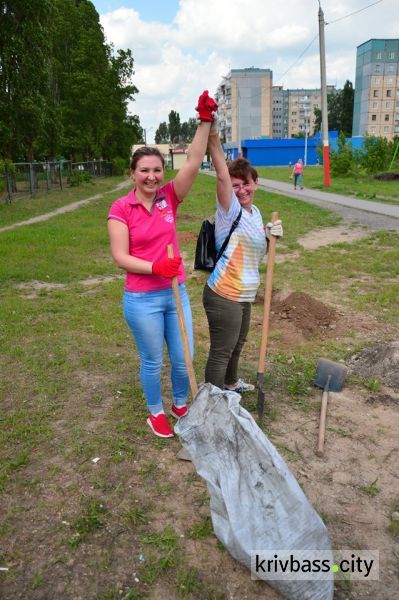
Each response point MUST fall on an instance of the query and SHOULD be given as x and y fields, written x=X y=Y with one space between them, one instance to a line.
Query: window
x=388 y=104
x=391 y=55
x=378 y=69
x=386 y=118
x=389 y=93
x=378 y=55
x=373 y=130
x=386 y=129
x=375 y=104
x=390 y=68
x=390 y=81
x=376 y=80
x=375 y=93
x=373 y=117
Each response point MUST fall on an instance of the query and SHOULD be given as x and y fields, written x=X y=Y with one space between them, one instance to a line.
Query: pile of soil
x=379 y=361
x=390 y=176
x=307 y=314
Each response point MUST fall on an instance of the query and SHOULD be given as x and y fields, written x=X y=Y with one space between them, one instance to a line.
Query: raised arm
x=185 y=177
x=196 y=151
x=223 y=184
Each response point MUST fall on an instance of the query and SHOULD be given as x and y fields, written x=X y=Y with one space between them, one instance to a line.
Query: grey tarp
x=256 y=503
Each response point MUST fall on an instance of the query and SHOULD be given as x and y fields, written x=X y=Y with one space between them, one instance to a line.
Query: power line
x=299 y=57
x=354 y=13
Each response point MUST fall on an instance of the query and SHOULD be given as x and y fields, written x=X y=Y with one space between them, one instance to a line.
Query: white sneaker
x=240 y=387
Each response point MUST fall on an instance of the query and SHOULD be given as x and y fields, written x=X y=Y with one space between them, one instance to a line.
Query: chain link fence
x=22 y=180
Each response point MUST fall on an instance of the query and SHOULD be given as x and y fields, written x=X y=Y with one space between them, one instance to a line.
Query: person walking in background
x=140 y=226
x=297 y=173
x=232 y=285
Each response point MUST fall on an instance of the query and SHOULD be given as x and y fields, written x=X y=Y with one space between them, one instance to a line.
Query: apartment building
x=245 y=104
x=249 y=107
x=376 y=107
x=293 y=110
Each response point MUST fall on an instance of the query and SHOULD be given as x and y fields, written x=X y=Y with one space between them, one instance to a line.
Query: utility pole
x=324 y=113
x=239 y=122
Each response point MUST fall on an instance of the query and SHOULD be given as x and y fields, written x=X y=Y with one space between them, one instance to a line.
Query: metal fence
x=23 y=180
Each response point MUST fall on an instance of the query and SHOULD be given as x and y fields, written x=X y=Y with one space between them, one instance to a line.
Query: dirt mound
x=307 y=314
x=379 y=361
x=390 y=176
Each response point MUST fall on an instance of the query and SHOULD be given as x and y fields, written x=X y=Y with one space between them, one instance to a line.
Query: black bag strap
x=226 y=241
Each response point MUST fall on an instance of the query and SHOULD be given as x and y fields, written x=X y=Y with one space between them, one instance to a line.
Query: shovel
x=183 y=454
x=260 y=376
x=330 y=376
x=180 y=315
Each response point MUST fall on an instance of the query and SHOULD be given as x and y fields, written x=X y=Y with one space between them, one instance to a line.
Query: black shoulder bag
x=206 y=256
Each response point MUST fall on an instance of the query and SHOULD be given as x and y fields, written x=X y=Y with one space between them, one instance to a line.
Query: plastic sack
x=256 y=503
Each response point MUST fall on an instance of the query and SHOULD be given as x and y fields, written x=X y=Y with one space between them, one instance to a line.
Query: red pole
x=326 y=163
x=324 y=112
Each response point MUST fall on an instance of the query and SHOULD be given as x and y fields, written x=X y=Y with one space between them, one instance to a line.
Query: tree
x=340 y=110
x=63 y=90
x=24 y=74
x=348 y=100
x=188 y=129
x=123 y=130
x=174 y=126
x=162 y=134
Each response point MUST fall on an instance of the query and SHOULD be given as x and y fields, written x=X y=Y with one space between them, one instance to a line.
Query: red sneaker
x=178 y=411
x=160 y=425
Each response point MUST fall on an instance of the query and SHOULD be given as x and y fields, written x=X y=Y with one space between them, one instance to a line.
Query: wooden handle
x=323 y=418
x=187 y=355
x=271 y=256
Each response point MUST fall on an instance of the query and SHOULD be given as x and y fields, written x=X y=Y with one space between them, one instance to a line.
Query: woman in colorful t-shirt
x=140 y=227
x=232 y=285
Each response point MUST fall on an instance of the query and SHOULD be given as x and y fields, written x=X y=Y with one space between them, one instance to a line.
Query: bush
x=376 y=154
x=344 y=161
x=120 y=166
x=78 y=177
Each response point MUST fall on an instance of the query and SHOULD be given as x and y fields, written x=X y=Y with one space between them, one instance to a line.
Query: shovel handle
x=183 y=331
x=271 y=256
x=323 y=418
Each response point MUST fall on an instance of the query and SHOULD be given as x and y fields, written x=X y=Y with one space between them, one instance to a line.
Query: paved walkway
x=374 y=215
x=64 y=209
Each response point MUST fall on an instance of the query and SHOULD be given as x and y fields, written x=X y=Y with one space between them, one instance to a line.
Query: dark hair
x=242 y=169
x=145 y=151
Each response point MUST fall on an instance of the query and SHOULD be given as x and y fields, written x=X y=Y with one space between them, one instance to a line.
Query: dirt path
x=64 y=209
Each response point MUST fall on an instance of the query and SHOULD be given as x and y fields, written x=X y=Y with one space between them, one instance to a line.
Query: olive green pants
x=228 y=327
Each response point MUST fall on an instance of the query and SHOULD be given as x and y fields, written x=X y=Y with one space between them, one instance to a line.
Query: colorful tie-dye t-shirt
x=236 y=275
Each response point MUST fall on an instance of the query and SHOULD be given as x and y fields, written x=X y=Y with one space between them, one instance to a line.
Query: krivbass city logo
x=322 y=565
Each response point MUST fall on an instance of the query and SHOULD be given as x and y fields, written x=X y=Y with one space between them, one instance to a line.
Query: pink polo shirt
x=149 y=235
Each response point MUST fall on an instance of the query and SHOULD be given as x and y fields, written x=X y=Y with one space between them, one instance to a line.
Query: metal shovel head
x=337 y=373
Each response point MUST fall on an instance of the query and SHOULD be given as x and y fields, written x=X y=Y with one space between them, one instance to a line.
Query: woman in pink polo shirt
x=140 y=226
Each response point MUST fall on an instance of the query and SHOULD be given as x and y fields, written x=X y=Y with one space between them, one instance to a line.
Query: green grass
x=202 y=529
x=371 y=490
x=394 y=519
x=365 y=187
x=26 y=208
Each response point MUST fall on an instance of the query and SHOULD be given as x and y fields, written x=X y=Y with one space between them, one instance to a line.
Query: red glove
x=206 y=106
x=166 y=267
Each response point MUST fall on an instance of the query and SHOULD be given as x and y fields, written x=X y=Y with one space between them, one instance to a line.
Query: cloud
x=174 y=62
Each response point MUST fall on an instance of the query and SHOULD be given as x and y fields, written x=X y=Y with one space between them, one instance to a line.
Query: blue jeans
x=152 y=318
x=298 y=179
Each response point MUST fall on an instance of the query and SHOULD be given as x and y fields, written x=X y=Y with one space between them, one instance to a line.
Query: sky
x=181 y=47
